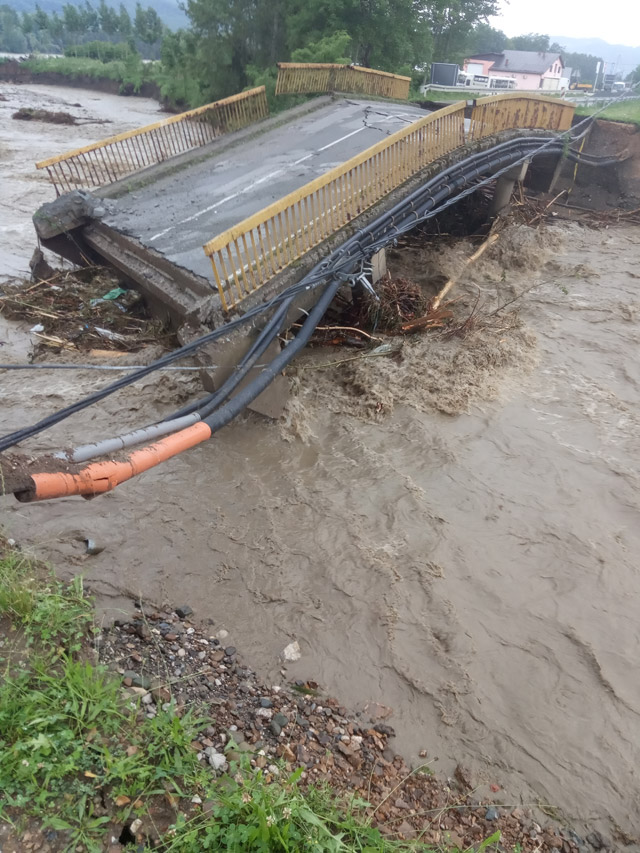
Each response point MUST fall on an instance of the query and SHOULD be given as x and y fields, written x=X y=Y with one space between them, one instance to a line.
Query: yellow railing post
x=118 y=156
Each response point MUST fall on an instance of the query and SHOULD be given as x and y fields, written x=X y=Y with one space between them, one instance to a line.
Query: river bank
x=228 y=731
x=453 y=535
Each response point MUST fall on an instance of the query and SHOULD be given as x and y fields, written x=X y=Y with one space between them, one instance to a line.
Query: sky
x=616 y=22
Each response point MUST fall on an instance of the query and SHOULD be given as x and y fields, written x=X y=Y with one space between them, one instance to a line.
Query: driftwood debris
x=491 y=239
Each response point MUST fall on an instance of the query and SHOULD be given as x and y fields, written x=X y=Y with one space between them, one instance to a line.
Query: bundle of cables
x=198 y=421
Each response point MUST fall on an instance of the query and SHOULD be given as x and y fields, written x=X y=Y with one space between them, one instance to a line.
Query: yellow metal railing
x=302 y=78
x=246 y=256
x=513 y=110
x=118 y=156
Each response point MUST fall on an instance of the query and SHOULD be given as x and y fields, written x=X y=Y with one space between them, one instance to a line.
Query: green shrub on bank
x=105 y=51
x=130 y=72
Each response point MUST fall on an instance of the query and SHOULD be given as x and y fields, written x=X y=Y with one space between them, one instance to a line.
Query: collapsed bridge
x=165 y=206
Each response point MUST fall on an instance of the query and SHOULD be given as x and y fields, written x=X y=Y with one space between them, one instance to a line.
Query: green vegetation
x=625 y=110
x=130 y=73
x=81 y=758
x=38 y=31
x=232 y=44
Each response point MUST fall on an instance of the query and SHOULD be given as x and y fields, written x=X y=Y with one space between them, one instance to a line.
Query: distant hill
x=626 y=58
x=170 y=13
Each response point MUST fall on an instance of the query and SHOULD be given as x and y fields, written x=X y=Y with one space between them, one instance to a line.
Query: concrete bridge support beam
x=504 y=188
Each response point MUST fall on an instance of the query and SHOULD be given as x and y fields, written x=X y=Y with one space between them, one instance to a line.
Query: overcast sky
x=616 y=22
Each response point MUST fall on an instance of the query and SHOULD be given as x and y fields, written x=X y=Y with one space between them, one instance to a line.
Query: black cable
x=207 y=404
x=321 y=272
x=343 y=257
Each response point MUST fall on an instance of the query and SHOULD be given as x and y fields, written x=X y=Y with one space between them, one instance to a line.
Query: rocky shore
x=165 y=656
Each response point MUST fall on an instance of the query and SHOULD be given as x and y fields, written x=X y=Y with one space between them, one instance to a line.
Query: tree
x=450 y=22
x=530 y=41
x=147 y=25
x=484 y=39
x=109 y=20
x=40 y=19
x=125 y=27
x=634 y=76
x=72 y=21
x=334 y=49
x=230 y=35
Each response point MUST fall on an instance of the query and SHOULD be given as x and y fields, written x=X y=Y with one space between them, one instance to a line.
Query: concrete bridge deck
x=177 y=213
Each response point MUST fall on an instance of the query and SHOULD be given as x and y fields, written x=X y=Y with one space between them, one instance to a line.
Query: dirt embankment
x=613 y=186
x=16 y=72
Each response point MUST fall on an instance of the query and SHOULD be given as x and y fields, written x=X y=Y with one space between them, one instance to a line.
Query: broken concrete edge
x=66 y=213
x=213 y=149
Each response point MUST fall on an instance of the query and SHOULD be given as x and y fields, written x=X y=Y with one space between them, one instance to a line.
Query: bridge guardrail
x=117 y=156
x=516 y=109
x=306 y=77
x=248 y=255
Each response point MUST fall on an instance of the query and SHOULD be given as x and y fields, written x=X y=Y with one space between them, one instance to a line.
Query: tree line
x=37 y=31
x=232 y=44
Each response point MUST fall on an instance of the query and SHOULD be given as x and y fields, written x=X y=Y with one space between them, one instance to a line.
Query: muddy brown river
x=455 y=535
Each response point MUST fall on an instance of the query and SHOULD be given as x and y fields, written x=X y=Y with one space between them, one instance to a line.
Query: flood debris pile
x=30 y=114
x=86 y=309
x=444 y=329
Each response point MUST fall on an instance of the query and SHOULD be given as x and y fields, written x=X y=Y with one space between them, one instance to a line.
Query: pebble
x=184 y=611
x=326 y=740
x=92 y=547
x=217 y=760
x=131 y=678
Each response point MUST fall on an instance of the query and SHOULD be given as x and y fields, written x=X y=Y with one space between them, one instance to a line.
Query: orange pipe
x=100 y=477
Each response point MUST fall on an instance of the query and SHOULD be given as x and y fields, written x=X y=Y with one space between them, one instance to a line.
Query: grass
x=626 y=111
x=79 y=758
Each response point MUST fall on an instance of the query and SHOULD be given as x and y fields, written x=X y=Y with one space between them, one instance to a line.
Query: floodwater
x=24 y=143
x=455 y=535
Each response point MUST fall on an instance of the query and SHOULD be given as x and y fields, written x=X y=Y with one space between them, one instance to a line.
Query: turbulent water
x=454 y=533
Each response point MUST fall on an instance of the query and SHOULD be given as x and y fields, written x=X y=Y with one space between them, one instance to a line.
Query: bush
x=105 y=51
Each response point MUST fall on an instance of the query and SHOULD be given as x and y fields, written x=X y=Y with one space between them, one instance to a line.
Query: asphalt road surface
x=178 y=213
